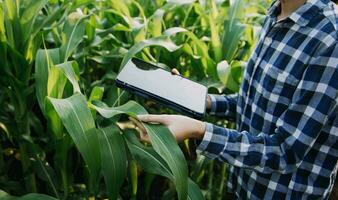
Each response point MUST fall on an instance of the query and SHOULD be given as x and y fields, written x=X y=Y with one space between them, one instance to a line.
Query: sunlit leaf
x=73 y=32
x=162 y=141
x=78 y=120
x=113 y=159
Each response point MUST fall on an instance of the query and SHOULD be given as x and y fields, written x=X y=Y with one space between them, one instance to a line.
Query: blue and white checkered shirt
x=285 y=145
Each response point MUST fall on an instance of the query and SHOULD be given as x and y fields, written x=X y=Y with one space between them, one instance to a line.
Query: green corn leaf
x=43 y=62
x=162 y=141
x=70 y=70
x=58 y=76
x=113 y=159
x=32 y=10
x=133 y=176
x=73 y=32
x=10 y=7
x=153 y=163
x=11 y=20
x=28 y=16
x=31 y=196
x=96 y=94
x=165 y=145
x=233 y=31
x=131 y=108
x=194 y=191
x=2 y=25
x=230 y=75
x=147 y=157
x=78 y=121
x=155 y=26
x=90 y=27
x=161 y=41
x=121 y=6
x=56 y=82
x=224 y=72
x=48 y=20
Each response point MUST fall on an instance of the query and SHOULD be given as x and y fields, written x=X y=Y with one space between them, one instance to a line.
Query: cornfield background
x=63 y=121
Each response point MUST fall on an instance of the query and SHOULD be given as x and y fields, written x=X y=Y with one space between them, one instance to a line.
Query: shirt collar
x=303 y=14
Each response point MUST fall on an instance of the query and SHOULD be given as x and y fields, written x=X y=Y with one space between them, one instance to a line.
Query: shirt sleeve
x=314 y=102
x=223 y=106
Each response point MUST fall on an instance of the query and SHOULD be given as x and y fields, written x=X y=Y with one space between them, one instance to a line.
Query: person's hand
x=174 y=71
x=180 y=126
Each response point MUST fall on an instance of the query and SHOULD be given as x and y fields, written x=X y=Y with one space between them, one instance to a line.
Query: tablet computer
x=174 y=91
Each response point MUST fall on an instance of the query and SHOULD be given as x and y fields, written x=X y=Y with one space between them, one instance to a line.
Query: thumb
x=175 y=72
x=152 y=118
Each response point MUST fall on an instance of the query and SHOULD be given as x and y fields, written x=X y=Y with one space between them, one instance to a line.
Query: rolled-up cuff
x=203 y=144
x=214 y=141
x=213 y=104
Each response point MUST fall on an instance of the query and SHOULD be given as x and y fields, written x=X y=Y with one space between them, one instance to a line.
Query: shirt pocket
x=278 y=88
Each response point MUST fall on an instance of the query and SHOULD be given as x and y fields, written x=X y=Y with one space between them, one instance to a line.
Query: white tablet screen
x=162 y=83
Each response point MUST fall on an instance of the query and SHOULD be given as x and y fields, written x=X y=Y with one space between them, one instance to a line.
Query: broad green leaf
x=224 y=72
x=147 y=157
x=46 y=173
x=58 y=76
x=215 y=40
x=43 y=62
x=32 y=10
x=96 y=94
x=233 y=31
x=121 y=6
x=70 y=70
x=113 y=159
x=162 y=41
x=56 y=82
x=51 y=81
x=48 y=20
x=130 y=108
x=31 y=196
x=165 y=145
x=200 y=47
x=210 y=14
x=73 y=32
x=78 y=121
x=133 y=176
x=90 y=27
x=162 y=141
x=194 y=192
x=230 y=75
x=2 y=26
x=10 y=7
x=28 y=16
x=155 y=26
x=153 y=163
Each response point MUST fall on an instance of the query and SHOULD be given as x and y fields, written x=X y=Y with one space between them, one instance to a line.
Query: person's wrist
x=199 y=130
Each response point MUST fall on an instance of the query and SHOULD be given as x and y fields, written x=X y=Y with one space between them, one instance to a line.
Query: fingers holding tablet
x=175 y=72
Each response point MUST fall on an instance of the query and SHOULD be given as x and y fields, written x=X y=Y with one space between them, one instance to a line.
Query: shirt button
x=268 y=40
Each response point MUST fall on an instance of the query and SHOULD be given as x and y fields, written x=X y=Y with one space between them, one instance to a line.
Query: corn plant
x=21 y=27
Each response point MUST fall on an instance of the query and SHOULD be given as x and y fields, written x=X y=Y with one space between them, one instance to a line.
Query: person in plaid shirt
x=285 y=144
